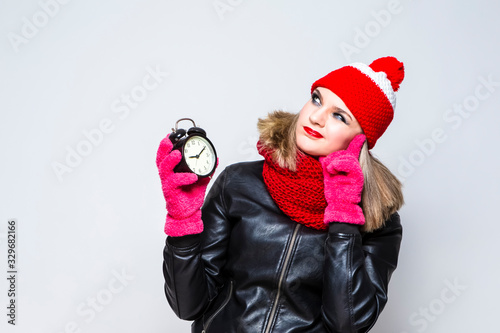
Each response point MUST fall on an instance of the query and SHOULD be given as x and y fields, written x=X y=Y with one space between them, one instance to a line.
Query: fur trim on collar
x=277 y=137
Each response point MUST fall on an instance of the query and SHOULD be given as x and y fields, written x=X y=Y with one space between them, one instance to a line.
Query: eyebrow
x=336 y=108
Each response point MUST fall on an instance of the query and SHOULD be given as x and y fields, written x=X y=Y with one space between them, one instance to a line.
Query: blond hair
x=382 y=192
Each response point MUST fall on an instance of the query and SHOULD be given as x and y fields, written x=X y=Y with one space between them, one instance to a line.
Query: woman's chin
x=309 y=151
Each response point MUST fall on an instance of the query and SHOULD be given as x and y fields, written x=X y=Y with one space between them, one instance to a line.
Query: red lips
x=312 y=132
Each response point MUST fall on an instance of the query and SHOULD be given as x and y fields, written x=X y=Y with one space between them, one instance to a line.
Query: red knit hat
x=368 y=92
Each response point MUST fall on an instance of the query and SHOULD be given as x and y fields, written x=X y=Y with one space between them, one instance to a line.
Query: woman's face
x=325 y=124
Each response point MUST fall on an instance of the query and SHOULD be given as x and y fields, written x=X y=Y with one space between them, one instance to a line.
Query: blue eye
x=315 y=99
x=339 y=117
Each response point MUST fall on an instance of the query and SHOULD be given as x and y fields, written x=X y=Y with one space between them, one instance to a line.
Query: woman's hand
x=343 y=180
x=183 y=192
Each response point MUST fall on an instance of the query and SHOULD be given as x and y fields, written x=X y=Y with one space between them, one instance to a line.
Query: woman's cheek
x=301 y=142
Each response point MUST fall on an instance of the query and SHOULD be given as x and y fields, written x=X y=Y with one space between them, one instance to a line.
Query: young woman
x=305 y=240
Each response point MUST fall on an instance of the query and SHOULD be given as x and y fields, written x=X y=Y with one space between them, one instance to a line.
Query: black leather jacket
x=255 y=270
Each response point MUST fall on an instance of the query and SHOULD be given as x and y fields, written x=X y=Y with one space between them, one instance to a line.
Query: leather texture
x=252 y=269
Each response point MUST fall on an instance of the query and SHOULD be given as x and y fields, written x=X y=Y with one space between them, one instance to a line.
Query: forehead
x=330 y=99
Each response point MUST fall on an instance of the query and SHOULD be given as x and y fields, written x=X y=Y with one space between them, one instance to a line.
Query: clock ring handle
x=178 y=121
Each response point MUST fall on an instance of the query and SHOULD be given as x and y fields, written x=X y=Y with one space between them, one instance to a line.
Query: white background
x=65 y=73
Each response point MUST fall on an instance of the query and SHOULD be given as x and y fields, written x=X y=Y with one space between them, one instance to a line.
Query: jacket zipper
x=209 y=321
x=281 y=278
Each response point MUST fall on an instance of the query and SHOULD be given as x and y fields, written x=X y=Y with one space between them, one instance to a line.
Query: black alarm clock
x=198 y=153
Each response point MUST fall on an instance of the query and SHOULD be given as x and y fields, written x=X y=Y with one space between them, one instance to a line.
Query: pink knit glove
x=183 y=192
x=343 y=180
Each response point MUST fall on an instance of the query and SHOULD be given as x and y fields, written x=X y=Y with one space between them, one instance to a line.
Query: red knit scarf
x=299 y=194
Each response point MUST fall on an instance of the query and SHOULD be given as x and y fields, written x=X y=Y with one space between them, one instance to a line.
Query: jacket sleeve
x=357 y=273
x=192 y=265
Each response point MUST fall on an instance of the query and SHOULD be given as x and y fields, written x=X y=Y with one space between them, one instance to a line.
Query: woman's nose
x=318 y=117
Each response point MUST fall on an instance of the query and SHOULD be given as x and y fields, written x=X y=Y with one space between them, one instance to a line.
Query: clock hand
x=198 y=156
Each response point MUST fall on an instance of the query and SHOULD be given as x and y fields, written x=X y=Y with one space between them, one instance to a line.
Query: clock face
x=199 y=155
